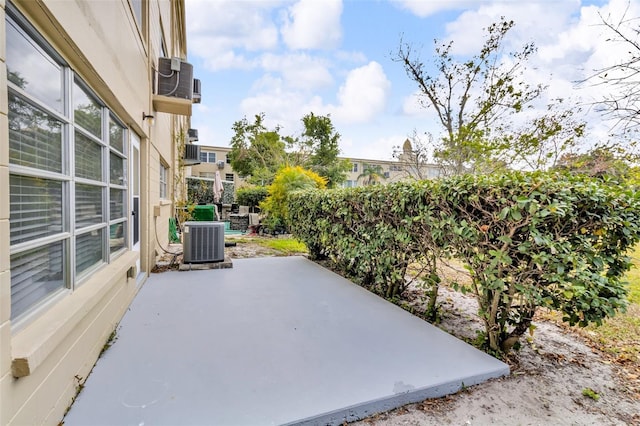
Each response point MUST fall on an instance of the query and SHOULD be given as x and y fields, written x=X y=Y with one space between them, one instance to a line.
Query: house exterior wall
x=208 y=169
x=47 y=352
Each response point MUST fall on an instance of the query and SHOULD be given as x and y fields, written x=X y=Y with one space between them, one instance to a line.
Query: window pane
x=88 y=158
x=116 y=198
x=116 y=164
x=88 y=205
x=203 y=157
x=35 y=208
x=32 y=70
x=35 y=274
x=117 y=234
x=86 y=111
x=88 y=250
x=116 y=136
x=35 y=138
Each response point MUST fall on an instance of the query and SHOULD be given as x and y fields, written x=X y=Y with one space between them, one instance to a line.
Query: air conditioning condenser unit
x=191 y=154
x=203 y=242
x=175 y=78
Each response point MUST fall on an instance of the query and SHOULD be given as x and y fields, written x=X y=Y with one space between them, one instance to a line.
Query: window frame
x=69 y=236
x=163 y=178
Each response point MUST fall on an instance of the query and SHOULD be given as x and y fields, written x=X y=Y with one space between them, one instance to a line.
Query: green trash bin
x=204 y=213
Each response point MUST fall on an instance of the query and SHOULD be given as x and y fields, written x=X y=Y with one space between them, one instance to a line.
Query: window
x=67 y=167
x=386 y=175
x=355 y=168
x=395 y=168
x=163 y=180
x=207 y=157
x=349 y=184
x=228 y=159
x=229 y=177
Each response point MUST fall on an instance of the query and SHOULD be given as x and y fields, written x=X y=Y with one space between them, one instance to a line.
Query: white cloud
x=216 y=28
x=354 y=57
x=381 y=148
x=313 y=24
x=363 y=94
x=361 y=98
x=281 y=105
x=299 y=71
x=533 y=22
x=424 y=8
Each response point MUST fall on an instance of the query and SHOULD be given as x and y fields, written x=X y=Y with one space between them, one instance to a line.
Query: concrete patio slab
x=272 y=341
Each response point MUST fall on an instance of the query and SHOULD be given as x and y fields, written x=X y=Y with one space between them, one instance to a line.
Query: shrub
x=529 y=240
x=251 y=196
x=533 y=240
x=287 y=181
x=372 y=234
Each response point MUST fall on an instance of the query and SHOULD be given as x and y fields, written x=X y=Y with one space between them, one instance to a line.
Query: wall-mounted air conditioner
x=174 y=91
x=191 y=154
x=197 y=91
x=221 y=164
x=175 y=78
x=203 y=242
x=193 y=135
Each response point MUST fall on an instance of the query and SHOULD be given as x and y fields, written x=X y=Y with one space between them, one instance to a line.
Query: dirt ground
x=548 y=377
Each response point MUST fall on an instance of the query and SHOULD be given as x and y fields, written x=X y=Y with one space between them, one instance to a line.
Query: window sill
x=164 y=202
x=32 y=345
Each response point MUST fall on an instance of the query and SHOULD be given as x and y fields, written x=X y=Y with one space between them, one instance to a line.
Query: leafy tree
x=256 y=151
x=251 y=196
x=476 y=101
x=371 y=174
x=286 y=181
x=602 y=161
x=320 y=144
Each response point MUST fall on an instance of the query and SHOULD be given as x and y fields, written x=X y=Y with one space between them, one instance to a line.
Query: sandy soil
x=548 y=376
x=545 y=387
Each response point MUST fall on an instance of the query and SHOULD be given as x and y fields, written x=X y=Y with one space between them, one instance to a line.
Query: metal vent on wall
x=175 y=78
x=193 y=135
x=197 y=91
x=191 y=154
x=203 y=242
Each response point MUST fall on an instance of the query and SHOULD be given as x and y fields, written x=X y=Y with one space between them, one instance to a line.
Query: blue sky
x=289 y=58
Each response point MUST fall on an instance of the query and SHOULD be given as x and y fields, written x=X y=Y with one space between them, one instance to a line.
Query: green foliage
x=287 y=181
x=256 y=151
x=590 y=393
x=371 y=174
x=529 y=240
x=259 y=153
x=321 y=140
x=200 y=191
x=600 y=162
x=286 y=246
x=533 y=240
x=251 y=196
x=372 y=234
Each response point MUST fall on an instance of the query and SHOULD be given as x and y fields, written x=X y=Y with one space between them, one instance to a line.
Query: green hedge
x=529 y=240
x=251 y=196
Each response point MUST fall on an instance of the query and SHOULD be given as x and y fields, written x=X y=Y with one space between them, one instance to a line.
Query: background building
x=407 y=166
x=88 y=165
